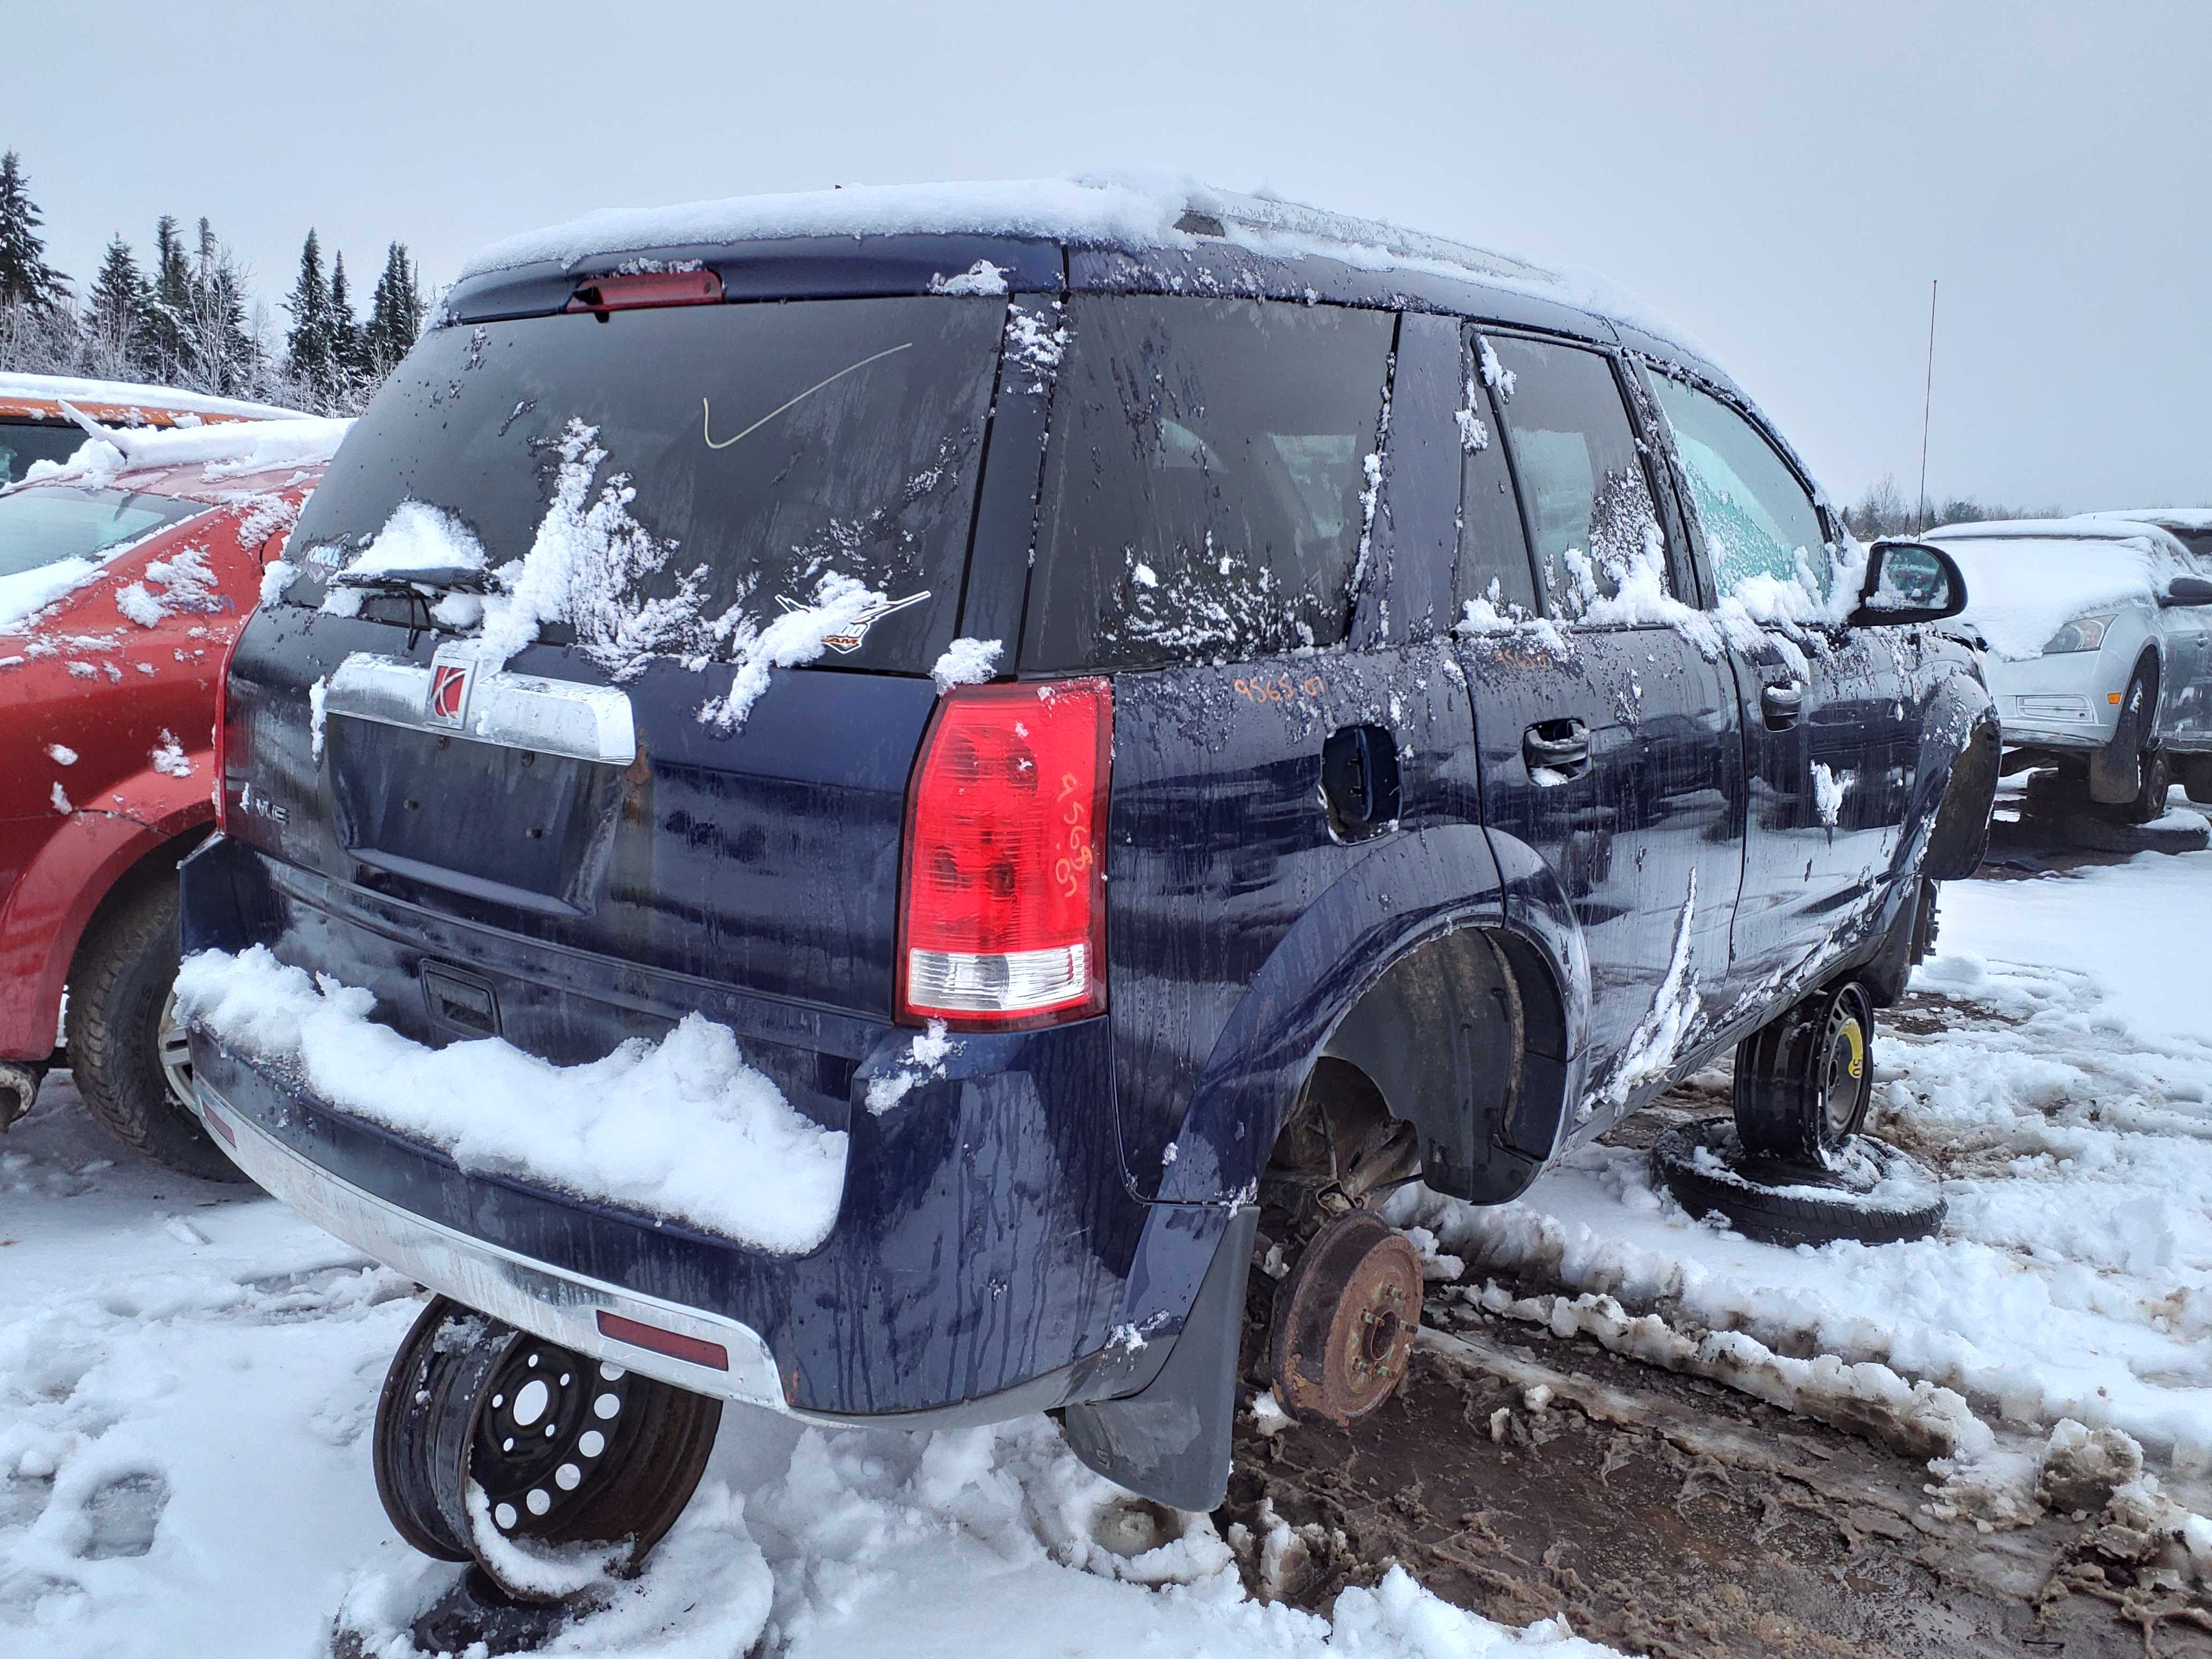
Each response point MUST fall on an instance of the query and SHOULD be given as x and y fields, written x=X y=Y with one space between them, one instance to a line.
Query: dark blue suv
x=1152 y=723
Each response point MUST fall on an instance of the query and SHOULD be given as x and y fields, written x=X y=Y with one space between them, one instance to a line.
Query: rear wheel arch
x=1463 y=1036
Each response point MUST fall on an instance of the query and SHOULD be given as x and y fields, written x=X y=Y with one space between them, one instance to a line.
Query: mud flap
x=1171 y=1443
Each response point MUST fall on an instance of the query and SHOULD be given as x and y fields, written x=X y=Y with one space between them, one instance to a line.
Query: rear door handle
x=1781 y=705
x=1557 y=746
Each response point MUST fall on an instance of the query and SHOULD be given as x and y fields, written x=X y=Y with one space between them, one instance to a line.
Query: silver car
x=2098 y=649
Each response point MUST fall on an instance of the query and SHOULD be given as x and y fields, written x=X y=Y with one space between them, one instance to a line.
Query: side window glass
x=1203 y=480
x=1589 y=502
x=1758 y=521
x=1493 y=569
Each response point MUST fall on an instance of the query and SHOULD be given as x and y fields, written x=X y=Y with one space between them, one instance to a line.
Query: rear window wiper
x=447 y=578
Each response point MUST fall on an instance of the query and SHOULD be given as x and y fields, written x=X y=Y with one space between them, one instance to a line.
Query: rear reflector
x=224 y=1131
x=693 y=1349
x=1003 y=921
x=644 y=289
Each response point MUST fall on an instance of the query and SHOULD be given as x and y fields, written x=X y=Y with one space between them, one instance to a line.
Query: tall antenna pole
x=1927 y=401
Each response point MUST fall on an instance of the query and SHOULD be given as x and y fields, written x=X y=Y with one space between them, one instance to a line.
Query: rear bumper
x=560 y=1306
x=986 y=1251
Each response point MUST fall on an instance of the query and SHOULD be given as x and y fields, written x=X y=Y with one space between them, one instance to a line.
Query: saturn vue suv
x=1151 y=721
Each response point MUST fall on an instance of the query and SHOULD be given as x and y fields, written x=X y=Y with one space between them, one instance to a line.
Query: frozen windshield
x=685 y=463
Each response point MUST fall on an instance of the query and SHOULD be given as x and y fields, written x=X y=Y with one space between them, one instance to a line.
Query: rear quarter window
x=1203 y=480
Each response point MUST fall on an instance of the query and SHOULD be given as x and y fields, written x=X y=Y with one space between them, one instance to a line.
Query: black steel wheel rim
x=552 y=1425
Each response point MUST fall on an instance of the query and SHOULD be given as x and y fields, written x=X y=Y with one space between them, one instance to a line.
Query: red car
x=125 y=575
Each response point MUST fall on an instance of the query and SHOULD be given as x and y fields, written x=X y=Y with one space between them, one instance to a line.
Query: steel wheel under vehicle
x=1804 y=1082
x=1344 y=1321
x=564 y=1449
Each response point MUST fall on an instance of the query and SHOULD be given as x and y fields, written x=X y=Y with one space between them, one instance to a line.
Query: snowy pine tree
x=395 y=312
x=308 y=358
x=117 y=314
x=222 y=353
x=25 y=278
x=169 y=305
x=351 y=373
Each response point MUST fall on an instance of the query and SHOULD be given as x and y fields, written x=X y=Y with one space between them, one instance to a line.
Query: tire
x=1803 y=1081
x=2115 y=771
x=1705 y=1168
x=119 y=993
x=2155 y=777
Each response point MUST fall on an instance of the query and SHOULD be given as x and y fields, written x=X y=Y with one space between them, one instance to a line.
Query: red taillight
x=643 y=290
x=223 y=729
x=1004 y=918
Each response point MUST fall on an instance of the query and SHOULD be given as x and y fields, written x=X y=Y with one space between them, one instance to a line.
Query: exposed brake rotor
x=1344 y=1321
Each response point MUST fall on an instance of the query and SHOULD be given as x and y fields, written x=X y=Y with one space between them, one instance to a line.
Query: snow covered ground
x=188 y=1377
x=2057 y=1073
x=188 y=1373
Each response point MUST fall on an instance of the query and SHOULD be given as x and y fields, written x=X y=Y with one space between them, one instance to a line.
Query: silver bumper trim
x=558 y=1305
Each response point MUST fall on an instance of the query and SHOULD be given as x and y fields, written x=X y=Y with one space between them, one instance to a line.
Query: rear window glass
x=690 y=465
x=1203 y=485
x=23 y=442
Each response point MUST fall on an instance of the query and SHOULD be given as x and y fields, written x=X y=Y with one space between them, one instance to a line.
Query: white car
x=2098 y=649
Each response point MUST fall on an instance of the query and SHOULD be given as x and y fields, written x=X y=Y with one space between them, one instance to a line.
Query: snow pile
x=925 y=1059
x=845 y=1542
x=2020 y=592
x=681 y=1128
x=982 y=278
x=966 y=662
x=417 y=538
x=169 y=758
x=228 y=450
x=186 y=584
x=2073 y=1278
x=797 y=636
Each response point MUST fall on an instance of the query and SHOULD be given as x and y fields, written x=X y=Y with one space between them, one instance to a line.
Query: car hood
x=2021 y=591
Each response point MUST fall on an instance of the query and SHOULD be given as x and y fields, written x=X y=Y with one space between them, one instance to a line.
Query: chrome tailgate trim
x=514 y=711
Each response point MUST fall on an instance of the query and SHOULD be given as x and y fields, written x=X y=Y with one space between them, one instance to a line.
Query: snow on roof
x=50 y=390
x=2086 y=528
x=1134 y=211
x=226 y=451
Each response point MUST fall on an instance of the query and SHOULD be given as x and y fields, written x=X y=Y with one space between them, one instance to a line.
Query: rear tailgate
x=638 y=797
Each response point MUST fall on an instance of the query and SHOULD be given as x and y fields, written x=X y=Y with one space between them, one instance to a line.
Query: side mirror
x=2186 y=590
x=1908 y=583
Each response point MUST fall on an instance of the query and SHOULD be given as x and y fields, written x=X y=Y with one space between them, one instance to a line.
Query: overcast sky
x=1781 y=180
